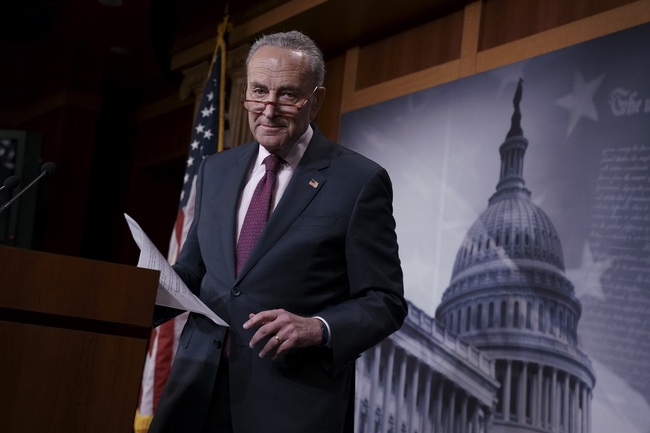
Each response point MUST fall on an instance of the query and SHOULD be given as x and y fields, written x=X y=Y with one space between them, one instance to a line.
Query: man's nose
x=270 y=110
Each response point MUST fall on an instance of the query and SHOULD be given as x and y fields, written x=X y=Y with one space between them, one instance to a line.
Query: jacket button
x=218 y=343
x=235 y=292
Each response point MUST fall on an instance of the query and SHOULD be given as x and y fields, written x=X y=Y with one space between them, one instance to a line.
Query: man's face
x=282 y=76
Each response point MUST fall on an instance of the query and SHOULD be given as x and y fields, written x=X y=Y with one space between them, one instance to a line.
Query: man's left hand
x=283 y=330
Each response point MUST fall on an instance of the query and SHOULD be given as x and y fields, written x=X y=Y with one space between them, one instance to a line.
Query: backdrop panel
x=586 y=114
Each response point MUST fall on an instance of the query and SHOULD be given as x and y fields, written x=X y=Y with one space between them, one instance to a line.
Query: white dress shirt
x=256 y=173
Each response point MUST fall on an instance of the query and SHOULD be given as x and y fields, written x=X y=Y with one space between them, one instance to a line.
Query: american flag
x=207 y=138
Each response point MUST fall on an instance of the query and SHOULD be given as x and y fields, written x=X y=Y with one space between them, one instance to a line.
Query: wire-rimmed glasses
x=283 y=109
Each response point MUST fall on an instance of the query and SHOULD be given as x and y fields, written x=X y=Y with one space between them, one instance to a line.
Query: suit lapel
x=236 y=175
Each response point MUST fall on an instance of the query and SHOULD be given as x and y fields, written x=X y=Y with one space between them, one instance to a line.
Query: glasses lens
x=287 y=110
x=282 y=109
x=254 y=107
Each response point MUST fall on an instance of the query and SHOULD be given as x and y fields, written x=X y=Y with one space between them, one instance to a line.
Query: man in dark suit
x=322 y=283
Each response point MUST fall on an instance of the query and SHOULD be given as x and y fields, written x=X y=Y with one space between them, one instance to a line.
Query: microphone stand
x=48 y=168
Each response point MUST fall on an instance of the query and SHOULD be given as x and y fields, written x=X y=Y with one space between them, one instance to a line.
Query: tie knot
x=273 y=162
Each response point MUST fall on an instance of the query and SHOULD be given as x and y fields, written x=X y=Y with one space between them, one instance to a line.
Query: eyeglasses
x=283 y=109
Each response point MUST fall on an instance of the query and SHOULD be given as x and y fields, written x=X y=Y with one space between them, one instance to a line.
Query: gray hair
x=294 y=40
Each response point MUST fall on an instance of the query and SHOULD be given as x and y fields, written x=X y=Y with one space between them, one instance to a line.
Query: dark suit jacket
x=329 y=250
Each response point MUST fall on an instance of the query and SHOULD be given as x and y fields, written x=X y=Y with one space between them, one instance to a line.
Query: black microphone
x=10 y=183
x=47 y=169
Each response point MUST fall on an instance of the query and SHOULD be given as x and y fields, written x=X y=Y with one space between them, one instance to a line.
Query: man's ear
x=317 y=102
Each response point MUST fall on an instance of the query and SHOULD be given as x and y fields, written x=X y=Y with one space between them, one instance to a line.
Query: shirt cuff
x=327 y=334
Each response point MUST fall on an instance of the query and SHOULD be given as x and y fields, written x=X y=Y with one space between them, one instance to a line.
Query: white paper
x=172 y=291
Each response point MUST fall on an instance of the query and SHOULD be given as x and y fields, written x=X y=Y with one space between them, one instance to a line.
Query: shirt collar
x=293 y=155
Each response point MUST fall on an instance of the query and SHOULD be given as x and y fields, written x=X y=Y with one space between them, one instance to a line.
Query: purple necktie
x=258 y=211
x=256 y=216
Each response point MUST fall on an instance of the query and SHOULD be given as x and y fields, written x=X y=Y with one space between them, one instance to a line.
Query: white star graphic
x=586 y=277
x=207 y=111
x=580 y=102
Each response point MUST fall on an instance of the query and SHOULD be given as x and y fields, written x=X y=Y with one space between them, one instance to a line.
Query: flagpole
x=223 y=30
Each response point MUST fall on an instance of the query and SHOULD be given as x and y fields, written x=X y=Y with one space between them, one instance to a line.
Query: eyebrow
x=279 y=89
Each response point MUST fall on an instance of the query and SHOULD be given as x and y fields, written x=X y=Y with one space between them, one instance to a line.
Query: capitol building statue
x=501 y=355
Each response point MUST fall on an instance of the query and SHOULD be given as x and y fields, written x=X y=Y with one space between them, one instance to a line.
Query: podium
x=73 y=339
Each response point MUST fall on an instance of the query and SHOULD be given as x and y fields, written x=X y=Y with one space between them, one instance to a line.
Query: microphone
x=47 y=169
x=10 y=183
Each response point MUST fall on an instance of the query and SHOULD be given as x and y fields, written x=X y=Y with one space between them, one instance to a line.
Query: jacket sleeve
x=376 y=307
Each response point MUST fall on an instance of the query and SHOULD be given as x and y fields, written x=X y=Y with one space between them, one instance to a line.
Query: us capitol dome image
x=502 y=354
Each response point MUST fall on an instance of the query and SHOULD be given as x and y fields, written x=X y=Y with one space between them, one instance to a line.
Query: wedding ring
x=278 y=338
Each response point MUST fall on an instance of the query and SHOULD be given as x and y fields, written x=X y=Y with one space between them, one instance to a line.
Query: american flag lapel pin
x=313 y=183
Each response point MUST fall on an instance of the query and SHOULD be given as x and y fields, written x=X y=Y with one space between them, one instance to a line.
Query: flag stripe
x=163 y=361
